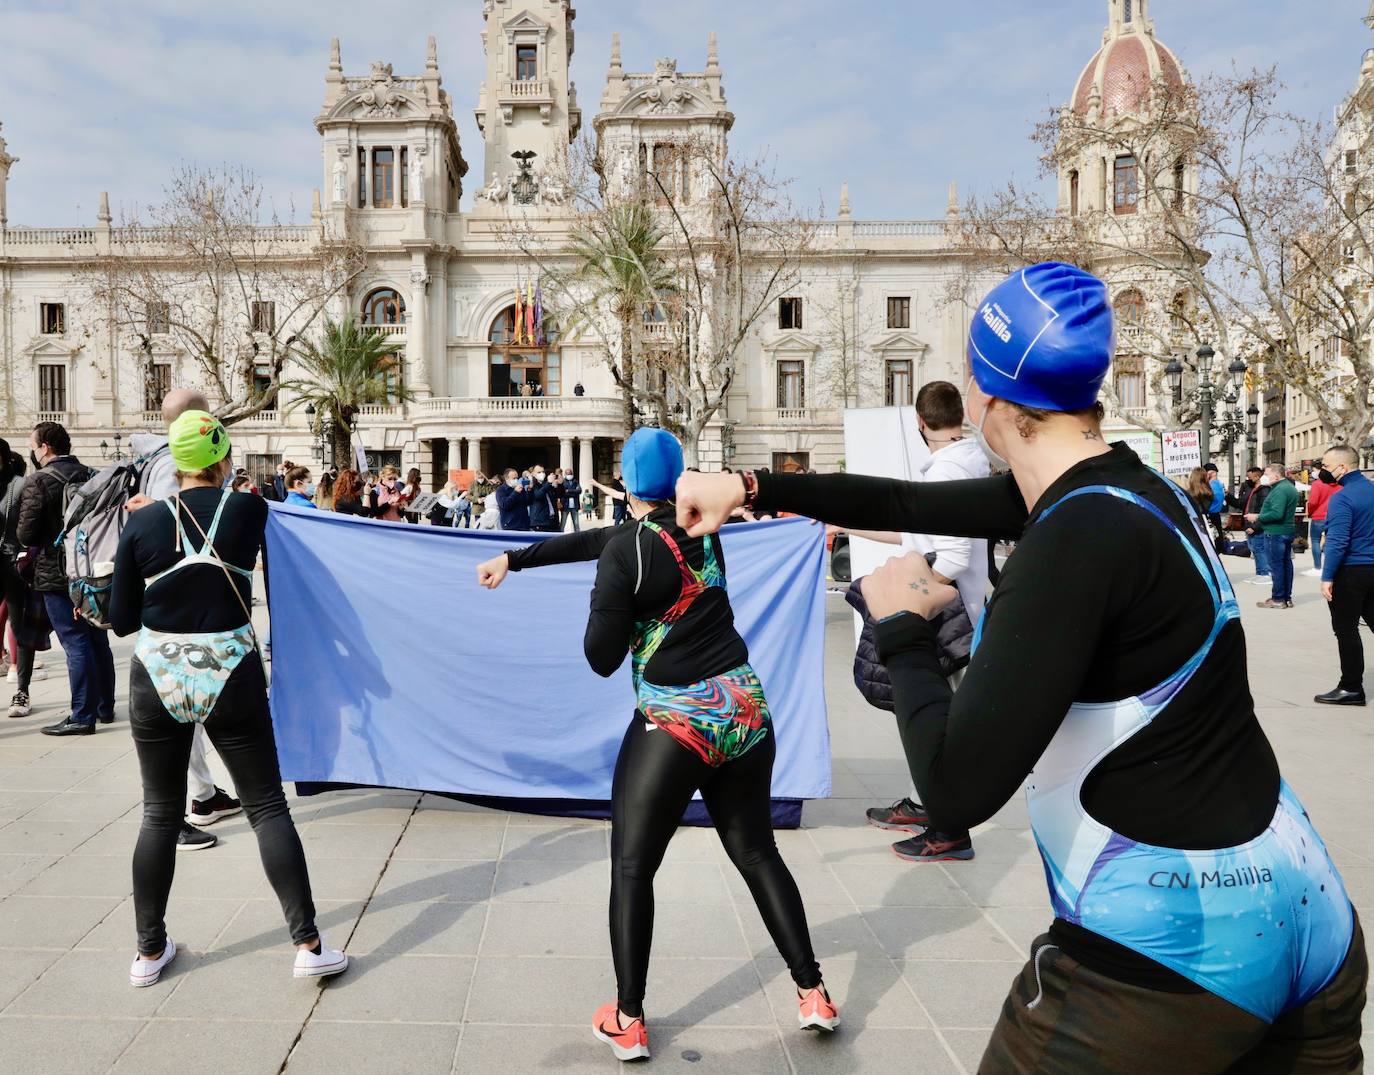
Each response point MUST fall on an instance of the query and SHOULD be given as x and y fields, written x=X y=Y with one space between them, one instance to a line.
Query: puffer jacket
x=40 y=519
x=953 y=641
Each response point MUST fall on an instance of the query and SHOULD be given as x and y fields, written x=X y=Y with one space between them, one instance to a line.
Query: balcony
x=526 y=89
x=60 y=417
x=385 y=330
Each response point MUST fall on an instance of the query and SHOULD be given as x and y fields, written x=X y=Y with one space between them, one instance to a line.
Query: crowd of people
x=1106 y=677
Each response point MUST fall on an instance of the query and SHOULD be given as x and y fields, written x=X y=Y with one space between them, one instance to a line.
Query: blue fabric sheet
x=391 y=667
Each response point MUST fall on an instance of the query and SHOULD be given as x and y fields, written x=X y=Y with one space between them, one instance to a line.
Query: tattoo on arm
x=1091 y=434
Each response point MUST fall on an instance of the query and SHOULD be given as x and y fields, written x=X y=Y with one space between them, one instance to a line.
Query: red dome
x=1123 y=70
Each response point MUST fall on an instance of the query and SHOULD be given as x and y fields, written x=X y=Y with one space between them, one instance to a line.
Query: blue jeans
x=1316 y=528
x=1281 y=565
x=90 y=664
x=1259 y=549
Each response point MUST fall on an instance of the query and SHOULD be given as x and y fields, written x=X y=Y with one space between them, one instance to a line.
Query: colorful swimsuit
x=189 y=669
x=720 y=718
x=1264 y=925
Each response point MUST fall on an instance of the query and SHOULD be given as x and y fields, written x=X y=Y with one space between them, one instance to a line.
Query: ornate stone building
x=870 y=322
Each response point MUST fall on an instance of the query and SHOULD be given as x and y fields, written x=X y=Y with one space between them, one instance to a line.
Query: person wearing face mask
x=1319 y=496
x=1277 y=516
x=90 y=664
x=300 y=488
x=543 y=502
x=513 y=498
x=1348 y=568
x=571 y=492
x=701 y=722
x=1109 y=678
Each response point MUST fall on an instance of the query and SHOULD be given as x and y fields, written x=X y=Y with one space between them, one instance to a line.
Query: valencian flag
x=529 y=312
x=519 y=313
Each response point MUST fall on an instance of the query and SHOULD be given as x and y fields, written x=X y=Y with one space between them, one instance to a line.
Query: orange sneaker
x=818 y=1011
x=628 y=1043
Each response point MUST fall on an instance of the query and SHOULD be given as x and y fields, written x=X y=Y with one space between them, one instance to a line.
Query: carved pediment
x=792 y=342
x=524 y=21
x=51 y=347
x=899 y=341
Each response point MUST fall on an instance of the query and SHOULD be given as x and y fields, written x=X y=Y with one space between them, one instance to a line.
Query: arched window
x=384 y=307
x=524 y=359
x=1130 y=309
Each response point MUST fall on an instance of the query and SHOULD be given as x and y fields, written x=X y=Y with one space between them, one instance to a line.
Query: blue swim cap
x=1044 y=338
x=651 y=463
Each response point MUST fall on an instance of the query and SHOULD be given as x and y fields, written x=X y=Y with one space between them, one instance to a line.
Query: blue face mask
x=310 y=489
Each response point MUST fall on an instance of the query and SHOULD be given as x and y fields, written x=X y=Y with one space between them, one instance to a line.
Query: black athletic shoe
x=70 y=727
x=220 y=804
x=192 y=839
x=105 y=718
x=1340 y=697
x=932 y=846
x=904 y=814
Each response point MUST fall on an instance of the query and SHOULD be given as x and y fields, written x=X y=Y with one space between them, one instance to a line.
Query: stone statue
x=625 y=173
x=551 y=189
x=494 y=191
x=340 y=171
x=417 y=173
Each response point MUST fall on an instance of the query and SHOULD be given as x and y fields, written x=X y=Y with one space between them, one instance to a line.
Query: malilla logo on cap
x=998 y=320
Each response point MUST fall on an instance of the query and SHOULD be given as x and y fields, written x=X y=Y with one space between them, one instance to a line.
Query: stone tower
x=528 y=104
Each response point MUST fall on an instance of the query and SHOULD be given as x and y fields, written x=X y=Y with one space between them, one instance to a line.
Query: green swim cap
x=197 y=440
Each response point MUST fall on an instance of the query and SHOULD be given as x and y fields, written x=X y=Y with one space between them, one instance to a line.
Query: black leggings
x=655 y=777
x=240 y=726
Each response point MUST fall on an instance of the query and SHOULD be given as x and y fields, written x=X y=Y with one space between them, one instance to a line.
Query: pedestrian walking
x=90 y=664
x=1348 y=568
x=183 y=581
x=1278 y=516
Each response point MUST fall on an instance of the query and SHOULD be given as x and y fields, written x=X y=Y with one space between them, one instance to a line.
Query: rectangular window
x=553 y=374
x=526 y=63
x=1178 y=186
x=790 y=313
x=791 y=385
x=157 y=384
x=403 y=174
x=390 y=377
x=383 y=177
x=262 y=381
x=1352 y=161
x=1073 y=193
x=899 y=312
x=1350 y=203
x=264 y=316
x=791 y=462
x=159 y=318
x=899 y=382
x=1130 y=386
x=262 y=466
x=362 y=178
x=52 y=389
x=1126 y=185
x=52 y=318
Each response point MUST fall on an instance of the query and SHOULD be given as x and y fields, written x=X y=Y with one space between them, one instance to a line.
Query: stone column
x=584 y=461
x=565 y=453
x=417 y=327
x=474 y=456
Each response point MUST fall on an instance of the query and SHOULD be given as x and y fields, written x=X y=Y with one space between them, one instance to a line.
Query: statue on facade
x=552 y=190
x=417 y=172
x=340 y=172
x=494 y=191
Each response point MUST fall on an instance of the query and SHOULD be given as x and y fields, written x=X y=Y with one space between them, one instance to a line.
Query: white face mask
x=1268 y=479
x=569 y=477
x=513 y=482
x=978 y=435
x=539 y=475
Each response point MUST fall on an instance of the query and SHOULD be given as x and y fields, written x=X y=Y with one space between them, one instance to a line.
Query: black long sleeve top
x=634 y=586
x=1099 y=602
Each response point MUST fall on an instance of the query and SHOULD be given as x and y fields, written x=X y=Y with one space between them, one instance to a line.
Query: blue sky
x=899 y=97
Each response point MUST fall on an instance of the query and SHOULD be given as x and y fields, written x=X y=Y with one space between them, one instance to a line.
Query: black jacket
x=40 y=519
x=1253 y=503
x=544 y=497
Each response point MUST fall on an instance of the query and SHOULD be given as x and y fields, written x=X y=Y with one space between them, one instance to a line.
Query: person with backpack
x=24 y=622
x=90 y=664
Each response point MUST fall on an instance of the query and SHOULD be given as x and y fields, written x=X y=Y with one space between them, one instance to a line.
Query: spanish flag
x=519 y=325
x=529 y=312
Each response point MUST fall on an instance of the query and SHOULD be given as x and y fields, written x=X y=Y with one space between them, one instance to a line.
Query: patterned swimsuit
x=189 y=669
x=718 y=719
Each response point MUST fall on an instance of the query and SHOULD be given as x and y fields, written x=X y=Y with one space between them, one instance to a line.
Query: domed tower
x=1116 y=91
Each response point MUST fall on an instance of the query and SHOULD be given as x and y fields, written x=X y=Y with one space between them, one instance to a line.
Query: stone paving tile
x=46 y=837
x=15 y=803
x=22 y=969
x=559 y=929
x=419 y=880
x=557 y=882
x=334 y=878
x=836 y=930
x=115 y=839
x=96 y=983
x=877 y=1050
x=568 y=1050
x=706 y=992
x=259 y=926
x=724 y=1050
x=556 y=843
x=16 y=871
x=900 y=885
x=206 y=1047
x=323 y=841
x=253 y=986
x=50 y=921
x=399 y=988
x=92 y=875
x=457 y=841
x=96 y=806
x=192 y=923
x=686 y=882
x=67 y=1046
x=968 y=1046
x=869 y=993
x=443 y=928
x=36 y=777
x=964 y=995
x=326 y=1048
x=1000 y=884
x=817 y=883
x=545 y=991
x=937 y=933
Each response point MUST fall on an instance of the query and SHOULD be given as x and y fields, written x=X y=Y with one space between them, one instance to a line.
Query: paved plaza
x=479 y=940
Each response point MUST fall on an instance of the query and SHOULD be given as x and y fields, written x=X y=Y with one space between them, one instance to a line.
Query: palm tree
x=348 y=369
x=618 y=264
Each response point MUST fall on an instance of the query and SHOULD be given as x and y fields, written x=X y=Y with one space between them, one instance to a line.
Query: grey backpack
x=93 y=519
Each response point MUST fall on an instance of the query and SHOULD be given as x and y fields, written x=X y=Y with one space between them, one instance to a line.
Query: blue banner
x=392 y=667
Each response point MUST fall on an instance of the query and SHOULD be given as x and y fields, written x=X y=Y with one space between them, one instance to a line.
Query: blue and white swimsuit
x=1265 y=925
x=189 y=669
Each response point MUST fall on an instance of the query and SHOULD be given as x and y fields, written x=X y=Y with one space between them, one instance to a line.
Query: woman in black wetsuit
x=1198 y=920
x=701 y=723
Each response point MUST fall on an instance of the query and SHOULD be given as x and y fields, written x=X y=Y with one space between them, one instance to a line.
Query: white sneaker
x=13 y=675
x=1313 y=572
x=1260 y=580
x=329 y=961
x=38 y=663
x=38 y=674
x=146 y=972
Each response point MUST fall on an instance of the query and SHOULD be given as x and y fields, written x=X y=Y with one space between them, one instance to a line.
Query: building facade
x=870 y=322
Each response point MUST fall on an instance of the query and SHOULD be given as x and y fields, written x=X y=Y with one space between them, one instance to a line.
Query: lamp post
x=1173 y=376
x=1367 y=452
x=105 y=453
x=1205 y=396
x=1252 y=435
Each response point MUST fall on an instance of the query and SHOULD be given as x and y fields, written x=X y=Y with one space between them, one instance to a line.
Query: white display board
x=884 y=442
x=1182 y=451
x=1144 y=445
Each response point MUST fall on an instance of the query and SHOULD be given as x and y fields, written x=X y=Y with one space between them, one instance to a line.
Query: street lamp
x=105 y=449
x=1173 y=377
x=1204 y=372
x=1252 y=436
x=1367 y=450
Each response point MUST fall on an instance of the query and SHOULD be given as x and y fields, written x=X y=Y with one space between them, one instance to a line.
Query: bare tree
x=217 y=273
x=728 y=244
x=845 y=371
x=1242 y=220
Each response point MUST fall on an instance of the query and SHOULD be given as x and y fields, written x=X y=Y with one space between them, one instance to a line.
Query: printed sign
x=1182 y=451
x=1145 y=445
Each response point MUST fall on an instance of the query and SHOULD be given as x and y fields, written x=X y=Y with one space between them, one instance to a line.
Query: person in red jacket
x=1318 y=501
